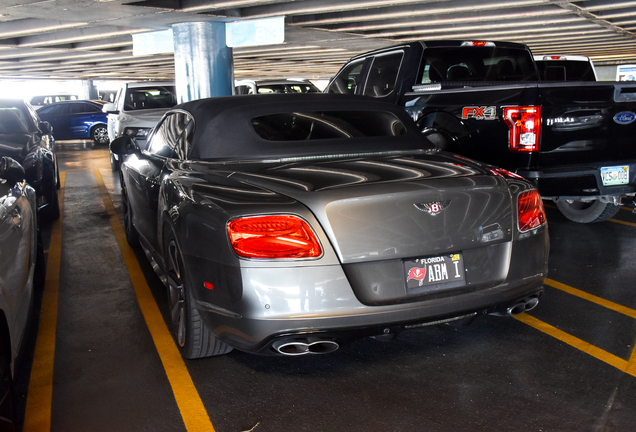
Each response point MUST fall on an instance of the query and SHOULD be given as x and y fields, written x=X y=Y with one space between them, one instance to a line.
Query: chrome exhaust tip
x=302 y=347
x=525 y=305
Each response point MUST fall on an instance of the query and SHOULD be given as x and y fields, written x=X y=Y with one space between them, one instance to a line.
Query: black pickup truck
x=575 y=140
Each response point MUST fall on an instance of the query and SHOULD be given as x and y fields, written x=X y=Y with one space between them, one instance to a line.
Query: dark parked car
x=21 y=268
x=28 y=140
x=289 y=224
x=81 y=119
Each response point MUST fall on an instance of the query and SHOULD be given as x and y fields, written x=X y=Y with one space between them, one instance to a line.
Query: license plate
x=436 y=270
x=615 y=175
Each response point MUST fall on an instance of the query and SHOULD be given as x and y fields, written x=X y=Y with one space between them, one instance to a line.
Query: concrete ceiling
x=92 y=39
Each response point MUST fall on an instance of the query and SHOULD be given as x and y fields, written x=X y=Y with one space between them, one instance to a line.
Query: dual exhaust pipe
x=524 y=305
x=298 y=347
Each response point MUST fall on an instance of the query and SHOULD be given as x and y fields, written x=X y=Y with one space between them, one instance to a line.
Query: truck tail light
x=531 y=213
x=272 y=237
x=525 y=127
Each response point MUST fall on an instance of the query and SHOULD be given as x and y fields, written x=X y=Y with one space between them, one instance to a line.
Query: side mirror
x=110 y=108
x=45 y=128
x=124 y=145
x=11 y=170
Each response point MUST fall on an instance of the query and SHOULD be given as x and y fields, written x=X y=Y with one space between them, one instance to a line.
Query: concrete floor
x=569 y=365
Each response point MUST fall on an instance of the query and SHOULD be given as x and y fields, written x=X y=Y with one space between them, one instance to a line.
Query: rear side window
x=383 y=74
x=321 y=125
x=52 y=110
x=348 y=80
x=456 y=64
x=78 y=108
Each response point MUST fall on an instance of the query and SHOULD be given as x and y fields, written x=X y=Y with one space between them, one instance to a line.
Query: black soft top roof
x=224 y=130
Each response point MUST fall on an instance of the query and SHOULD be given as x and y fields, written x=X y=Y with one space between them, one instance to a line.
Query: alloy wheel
x=176 y=294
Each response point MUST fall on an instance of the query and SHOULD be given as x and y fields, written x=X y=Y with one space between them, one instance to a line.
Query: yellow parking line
x=188 y=400
x=604 y=356
x=627 y=366
x=618 y=221
x=631 y=366
x=592 y=298
x=37 y=416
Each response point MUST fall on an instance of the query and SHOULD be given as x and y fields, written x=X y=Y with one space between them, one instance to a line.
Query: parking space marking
x=627 y=366
x=37 y=416
x=618 y=221
x=592 y=298
x=579 y=344
x=193 y=412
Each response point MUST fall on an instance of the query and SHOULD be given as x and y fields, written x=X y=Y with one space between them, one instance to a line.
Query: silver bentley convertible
x=290 y=224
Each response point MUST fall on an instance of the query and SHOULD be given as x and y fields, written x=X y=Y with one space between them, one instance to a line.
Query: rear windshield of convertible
x=324 y=125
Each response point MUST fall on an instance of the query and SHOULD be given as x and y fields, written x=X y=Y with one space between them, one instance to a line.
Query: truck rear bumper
x=579 y=182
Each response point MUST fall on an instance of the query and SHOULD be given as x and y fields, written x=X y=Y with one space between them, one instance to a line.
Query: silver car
x=290 y=224
x=21 y=268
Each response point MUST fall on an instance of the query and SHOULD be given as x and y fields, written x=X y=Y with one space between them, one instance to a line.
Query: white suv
x=137 y=109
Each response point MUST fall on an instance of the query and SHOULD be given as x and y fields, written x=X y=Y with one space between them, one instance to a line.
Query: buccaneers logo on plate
x=416 y=273
x=432 y=208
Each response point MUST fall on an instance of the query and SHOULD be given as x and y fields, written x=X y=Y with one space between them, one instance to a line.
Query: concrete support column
x=90 y=90
x=203 y=62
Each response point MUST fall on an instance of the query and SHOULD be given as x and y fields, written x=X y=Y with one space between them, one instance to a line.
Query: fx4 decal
x=480 y=113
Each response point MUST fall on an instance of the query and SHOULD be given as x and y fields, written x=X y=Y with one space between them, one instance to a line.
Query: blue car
x=79 y=119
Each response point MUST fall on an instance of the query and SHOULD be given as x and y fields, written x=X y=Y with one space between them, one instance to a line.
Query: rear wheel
x=8 y=415
x=52 y=210
x=194 y=339
x=40 y=265
x=99 y=134
x=587 y=211
x=114 y=163
x=132 y=237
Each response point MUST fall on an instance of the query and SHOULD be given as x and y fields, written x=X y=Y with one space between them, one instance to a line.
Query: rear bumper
x=577 y=182
x=298 y=309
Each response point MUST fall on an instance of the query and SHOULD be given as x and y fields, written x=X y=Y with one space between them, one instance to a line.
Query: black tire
x=8 y=414
x=587 y=212
x=99 y=134
x=40 y=265
x=193 y=337
x=114 y=163
x=52 y=210
x=58 y=184
x=132 y=236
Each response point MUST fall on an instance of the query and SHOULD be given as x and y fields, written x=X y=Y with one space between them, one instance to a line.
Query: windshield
x=565 y=70
x=141 y=98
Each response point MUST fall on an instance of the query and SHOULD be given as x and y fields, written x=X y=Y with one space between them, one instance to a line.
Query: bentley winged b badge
x=433 y=208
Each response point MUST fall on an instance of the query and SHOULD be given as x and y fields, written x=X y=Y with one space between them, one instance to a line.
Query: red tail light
x=525 y=127
x=530 y=210
x=275 y=236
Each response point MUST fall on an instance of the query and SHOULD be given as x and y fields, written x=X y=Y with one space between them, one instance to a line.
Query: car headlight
x=137 y=132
